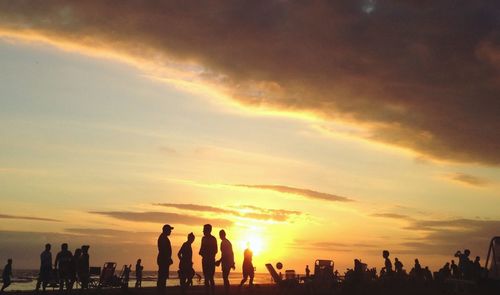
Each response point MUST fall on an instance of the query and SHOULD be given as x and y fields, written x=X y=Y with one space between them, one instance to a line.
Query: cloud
x=469 y=179
x=447 y=236
x=164 y=217
x=428 y=80
x=249 y=211
x=194 y=207
x=307 y=193
x=329 y=245
x=391 y=215
x=34 y=218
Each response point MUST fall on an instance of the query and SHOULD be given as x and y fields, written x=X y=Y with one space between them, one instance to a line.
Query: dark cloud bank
x=423 y=74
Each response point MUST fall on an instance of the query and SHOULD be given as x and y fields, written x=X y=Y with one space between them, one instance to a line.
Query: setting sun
x=255 y=242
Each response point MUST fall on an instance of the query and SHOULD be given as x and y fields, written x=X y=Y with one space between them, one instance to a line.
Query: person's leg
x=212 y=274
x=243 y=281
x=251 y=280
x=225 y=277
x=206 y=276
x=161 y=283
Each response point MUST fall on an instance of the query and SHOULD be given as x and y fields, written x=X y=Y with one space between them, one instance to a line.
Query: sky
x=327 y=130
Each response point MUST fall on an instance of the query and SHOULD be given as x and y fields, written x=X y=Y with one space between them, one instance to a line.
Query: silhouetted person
x=248 y=270
x=445 y=272
x=74 y=267
x=308 y=271
x=464 y=263
x=387 y=262
x=138 y=273
x=227 y=259
x=7 y=275
x=476 y=268
x=45 y=274
x=398 y=266
x=186 y=271
x=208 y=250
x=63 y=266
x=455 y=272
x=164 y=258
x=84 y=267
x=427 y=274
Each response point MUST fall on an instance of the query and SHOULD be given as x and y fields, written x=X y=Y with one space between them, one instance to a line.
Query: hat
x=167 y=226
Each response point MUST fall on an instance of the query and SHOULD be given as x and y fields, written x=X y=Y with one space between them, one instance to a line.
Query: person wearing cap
x=208 y=250
x=186 y=271
x=164 y=258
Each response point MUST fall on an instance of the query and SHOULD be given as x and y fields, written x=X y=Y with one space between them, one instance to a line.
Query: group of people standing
x=69 y=267
x=208 y=252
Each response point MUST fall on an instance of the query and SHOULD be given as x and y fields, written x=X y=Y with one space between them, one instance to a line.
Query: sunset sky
x=322 y=129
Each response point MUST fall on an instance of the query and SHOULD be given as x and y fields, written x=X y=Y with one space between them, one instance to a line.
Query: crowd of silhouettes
x=69 y=268
x=208 y=252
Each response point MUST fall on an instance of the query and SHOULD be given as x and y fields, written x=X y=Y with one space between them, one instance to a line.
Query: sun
x=255 y=242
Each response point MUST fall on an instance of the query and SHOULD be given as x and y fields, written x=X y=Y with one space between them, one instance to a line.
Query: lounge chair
x=290 y=277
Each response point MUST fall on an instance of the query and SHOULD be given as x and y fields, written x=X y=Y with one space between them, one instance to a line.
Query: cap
x=167 y=226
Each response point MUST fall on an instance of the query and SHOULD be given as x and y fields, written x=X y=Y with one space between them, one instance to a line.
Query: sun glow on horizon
x=254 y=242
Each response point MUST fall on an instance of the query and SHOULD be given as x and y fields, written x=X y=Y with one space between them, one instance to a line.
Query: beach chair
x=290 y=277
x=323 y=279
x=108 y=277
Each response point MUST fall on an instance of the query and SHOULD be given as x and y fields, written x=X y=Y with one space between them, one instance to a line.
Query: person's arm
x=180 y=252
x=56 y=261
x=202 y=247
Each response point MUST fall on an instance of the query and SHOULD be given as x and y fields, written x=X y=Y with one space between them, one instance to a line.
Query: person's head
x=9 y=261
x=78 y=252
x=207 y=229
x=385 y=254
x=167 y=229
x=452 y=261
x=416 y=261
x=396 y=259
x=190 y=238
x=64 y=246
x=139 y=261
x=307 y=266
x=85 y=249
x=477 y=259
x=222 y=234
x=467 y=252
x=47 y=247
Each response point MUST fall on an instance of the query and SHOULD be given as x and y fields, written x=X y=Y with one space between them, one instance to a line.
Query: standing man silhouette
x=227 y=259
x=208 y=250
x=164 y=259
x=186 y=271
x=63 y=266
x=45 y=268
